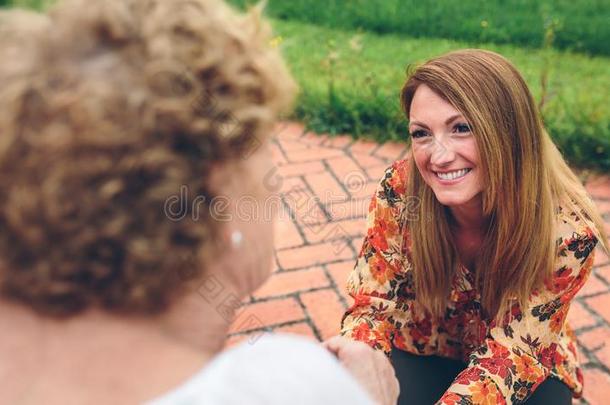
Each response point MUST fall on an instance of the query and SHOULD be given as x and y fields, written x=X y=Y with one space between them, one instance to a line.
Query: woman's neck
x=141 y=358
x=469 y=217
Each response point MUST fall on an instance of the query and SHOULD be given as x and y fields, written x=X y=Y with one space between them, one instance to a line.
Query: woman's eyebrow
x=447 y=122
x=452 y=118
x=419 y=124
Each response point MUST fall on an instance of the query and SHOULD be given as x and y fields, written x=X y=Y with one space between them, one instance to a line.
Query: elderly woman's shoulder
x=271 y=369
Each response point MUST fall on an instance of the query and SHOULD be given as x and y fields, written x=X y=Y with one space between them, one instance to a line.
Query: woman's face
x=444 y=149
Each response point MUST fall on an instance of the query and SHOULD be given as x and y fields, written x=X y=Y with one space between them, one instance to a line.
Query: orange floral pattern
x=485 y=393
x=505 y=364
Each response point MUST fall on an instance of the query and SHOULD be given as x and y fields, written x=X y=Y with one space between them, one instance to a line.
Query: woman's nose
x=441 y=153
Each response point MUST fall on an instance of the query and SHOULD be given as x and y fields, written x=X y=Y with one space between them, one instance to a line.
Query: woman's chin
x=453 y=200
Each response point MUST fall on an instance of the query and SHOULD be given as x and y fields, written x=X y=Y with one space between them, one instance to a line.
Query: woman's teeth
x=452 y=175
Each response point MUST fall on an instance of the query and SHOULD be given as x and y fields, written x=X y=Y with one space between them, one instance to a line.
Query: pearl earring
x=236 y=239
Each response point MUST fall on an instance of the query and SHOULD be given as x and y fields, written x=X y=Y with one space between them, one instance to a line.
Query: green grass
x=579 y=25
x=350 y=83
x=35 y=4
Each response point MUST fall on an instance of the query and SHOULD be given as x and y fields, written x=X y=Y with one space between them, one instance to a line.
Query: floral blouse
x=504 y=364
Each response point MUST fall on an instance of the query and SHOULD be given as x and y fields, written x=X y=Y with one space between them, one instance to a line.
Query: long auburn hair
x=525 y=179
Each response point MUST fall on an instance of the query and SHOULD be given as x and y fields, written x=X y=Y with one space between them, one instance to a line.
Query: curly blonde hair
x=108 y=108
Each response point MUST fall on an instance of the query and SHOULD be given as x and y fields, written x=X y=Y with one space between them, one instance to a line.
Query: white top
x=273 y=370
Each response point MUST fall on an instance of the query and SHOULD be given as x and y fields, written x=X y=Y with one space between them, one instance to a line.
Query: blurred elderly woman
x=110 y=292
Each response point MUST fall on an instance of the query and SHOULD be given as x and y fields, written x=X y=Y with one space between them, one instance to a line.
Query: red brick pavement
x=327 y=184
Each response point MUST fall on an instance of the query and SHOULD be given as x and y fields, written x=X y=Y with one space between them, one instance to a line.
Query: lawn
x=36 y=4
x=350 y=81
x=579 y=25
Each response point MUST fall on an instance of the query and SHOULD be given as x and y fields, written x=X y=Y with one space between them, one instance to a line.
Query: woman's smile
x=452 y=177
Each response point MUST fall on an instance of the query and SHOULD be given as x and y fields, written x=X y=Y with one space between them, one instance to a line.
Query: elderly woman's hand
x=371 y=368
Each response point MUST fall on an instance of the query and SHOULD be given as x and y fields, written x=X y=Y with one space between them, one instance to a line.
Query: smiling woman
x=476 y=244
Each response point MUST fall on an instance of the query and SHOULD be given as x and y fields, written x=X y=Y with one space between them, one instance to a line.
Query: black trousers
x=424 y=379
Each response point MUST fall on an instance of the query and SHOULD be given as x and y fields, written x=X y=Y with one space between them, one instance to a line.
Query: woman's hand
x=371 y=368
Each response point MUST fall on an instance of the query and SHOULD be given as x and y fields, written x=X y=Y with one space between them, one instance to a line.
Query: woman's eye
x=462 y=128
x=419 y=133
